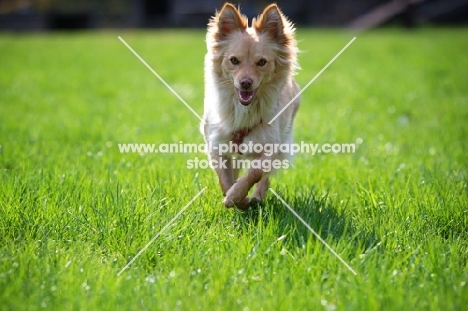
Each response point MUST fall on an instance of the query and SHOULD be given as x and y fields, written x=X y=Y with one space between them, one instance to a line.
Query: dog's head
x=250 y=58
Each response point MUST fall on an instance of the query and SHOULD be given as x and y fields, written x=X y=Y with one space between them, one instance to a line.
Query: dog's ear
x=228 y=20
x=271 y=21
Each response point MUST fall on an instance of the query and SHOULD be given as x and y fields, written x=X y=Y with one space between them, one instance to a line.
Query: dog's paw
x=237 y=192
x=242 y=204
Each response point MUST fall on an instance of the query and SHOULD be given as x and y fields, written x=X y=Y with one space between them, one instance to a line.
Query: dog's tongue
x=246 y=97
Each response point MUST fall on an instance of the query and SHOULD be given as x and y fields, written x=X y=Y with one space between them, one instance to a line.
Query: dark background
x=46 y=15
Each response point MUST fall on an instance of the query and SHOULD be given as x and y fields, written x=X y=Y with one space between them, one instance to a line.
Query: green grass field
x=74 y=210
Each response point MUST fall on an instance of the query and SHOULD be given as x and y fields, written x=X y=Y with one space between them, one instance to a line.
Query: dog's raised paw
x=242 y=205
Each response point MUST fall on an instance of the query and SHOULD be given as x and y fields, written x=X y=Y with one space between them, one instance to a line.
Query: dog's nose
x=246 y=83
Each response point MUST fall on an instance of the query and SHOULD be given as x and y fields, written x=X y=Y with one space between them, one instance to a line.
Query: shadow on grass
x=321 y=213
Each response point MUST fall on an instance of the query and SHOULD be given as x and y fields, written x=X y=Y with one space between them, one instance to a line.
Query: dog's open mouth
x=246 y=97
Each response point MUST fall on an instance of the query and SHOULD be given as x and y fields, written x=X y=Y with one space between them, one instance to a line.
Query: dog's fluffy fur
x=248 y=80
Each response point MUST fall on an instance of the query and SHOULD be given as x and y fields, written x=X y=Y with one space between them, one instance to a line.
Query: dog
x=249 y=79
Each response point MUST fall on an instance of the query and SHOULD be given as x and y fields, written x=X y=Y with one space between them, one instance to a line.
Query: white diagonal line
x=311 y=81
x=162 y=80
x=162 y=230
x=315 y=233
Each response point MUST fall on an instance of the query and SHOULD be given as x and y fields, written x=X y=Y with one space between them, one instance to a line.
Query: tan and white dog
x=248 y=81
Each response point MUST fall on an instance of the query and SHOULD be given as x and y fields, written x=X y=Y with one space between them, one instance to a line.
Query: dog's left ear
x=271 y=21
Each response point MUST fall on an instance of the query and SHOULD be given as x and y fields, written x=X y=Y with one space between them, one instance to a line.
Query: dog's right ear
x=226 y=21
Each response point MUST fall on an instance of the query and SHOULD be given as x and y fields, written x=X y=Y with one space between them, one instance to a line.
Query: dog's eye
x=234 y=61
x=261 y=62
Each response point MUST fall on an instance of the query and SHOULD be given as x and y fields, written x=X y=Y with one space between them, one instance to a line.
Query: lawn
x=74 y=210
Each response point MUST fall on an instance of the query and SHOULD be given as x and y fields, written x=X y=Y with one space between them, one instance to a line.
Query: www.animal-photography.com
x=250 y=155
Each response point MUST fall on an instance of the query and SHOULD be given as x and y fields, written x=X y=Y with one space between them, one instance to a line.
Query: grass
x=74 y=211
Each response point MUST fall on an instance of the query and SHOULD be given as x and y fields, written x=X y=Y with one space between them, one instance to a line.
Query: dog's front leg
x=223 y=167
x=237 y=195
